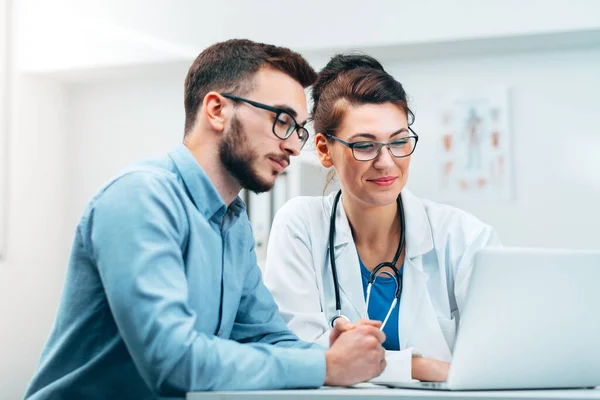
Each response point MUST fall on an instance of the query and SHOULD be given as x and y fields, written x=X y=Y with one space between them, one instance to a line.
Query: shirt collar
x=202 y=192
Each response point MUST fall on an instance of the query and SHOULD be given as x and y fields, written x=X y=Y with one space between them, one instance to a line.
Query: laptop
x=531 y=321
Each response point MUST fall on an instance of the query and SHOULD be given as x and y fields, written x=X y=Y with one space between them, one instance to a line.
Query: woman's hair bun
x=339 y=64
x=346 y=62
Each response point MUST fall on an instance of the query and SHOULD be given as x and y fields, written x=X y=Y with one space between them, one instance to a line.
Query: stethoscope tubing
x=373 y=274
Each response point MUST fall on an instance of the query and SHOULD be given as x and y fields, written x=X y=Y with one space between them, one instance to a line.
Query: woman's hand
x=342 y=325
x=427 y=369
x=356 y=354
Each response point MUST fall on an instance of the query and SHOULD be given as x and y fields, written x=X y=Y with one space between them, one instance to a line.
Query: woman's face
x=377 y=182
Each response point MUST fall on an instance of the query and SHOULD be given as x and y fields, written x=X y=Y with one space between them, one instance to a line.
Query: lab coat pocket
x=448 y=327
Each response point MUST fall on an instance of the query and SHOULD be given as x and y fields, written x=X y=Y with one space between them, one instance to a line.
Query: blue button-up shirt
x=163 y=295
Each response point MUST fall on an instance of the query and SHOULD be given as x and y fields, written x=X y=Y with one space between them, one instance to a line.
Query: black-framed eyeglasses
x=369 y=149
x=283 y=125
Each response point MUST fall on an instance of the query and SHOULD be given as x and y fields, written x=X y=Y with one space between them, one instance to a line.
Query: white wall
x=115 y=123
x=37 y=242
x=31 y=277
x=556 y=138
x=117 y=32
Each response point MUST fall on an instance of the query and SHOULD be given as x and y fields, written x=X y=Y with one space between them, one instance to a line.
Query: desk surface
x=377 y=392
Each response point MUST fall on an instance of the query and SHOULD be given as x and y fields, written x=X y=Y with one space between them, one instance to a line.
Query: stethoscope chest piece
x=337 y=317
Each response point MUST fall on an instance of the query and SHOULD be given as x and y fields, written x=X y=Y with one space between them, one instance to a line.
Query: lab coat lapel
x=414 y=289
x=418 y=323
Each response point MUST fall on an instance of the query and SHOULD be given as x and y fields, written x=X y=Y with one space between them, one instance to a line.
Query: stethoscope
x=373 y=275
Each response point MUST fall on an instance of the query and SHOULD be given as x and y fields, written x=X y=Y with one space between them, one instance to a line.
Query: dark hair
x=350 y=80
x=230 y=66
x=353 y=79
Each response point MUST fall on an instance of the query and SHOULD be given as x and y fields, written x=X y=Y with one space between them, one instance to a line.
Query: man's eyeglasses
x=369 y=150
x=283 y=125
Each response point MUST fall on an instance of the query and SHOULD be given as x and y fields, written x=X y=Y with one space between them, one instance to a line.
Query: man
x=163 y=294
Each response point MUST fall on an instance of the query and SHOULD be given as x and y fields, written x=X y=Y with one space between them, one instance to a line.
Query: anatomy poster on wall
x=475 y=149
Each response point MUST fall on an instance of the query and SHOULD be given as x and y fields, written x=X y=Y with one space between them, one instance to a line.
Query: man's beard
x=238 y=158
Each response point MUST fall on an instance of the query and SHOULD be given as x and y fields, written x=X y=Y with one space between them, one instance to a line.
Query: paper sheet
x=398 y=367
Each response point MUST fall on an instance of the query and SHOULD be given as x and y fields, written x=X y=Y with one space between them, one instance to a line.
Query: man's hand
x=426 y=369
x=356 y=354
x=342 y=325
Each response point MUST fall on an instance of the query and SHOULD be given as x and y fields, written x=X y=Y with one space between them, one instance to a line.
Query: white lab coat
x=440 y=243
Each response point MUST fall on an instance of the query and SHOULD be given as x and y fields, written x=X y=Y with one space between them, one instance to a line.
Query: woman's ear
x=215 y=111
x=323 y=150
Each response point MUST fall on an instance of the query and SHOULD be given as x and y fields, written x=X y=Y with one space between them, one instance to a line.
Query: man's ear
x=323 y=150
x=214 y=108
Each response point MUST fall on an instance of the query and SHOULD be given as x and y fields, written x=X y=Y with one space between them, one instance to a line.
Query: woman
x=362 y=121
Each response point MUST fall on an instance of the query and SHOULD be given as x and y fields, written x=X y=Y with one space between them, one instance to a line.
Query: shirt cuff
x=305 y=368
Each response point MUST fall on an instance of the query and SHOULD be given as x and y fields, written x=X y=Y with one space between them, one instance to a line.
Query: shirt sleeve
x=137 y=232
x=258 y=319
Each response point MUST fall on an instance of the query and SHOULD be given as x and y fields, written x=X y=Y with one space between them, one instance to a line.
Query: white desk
x=378 y=392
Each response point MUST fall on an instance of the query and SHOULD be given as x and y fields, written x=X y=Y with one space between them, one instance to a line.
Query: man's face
x=249 y=150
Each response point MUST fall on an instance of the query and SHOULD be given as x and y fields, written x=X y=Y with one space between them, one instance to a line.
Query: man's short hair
x=230 y=67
